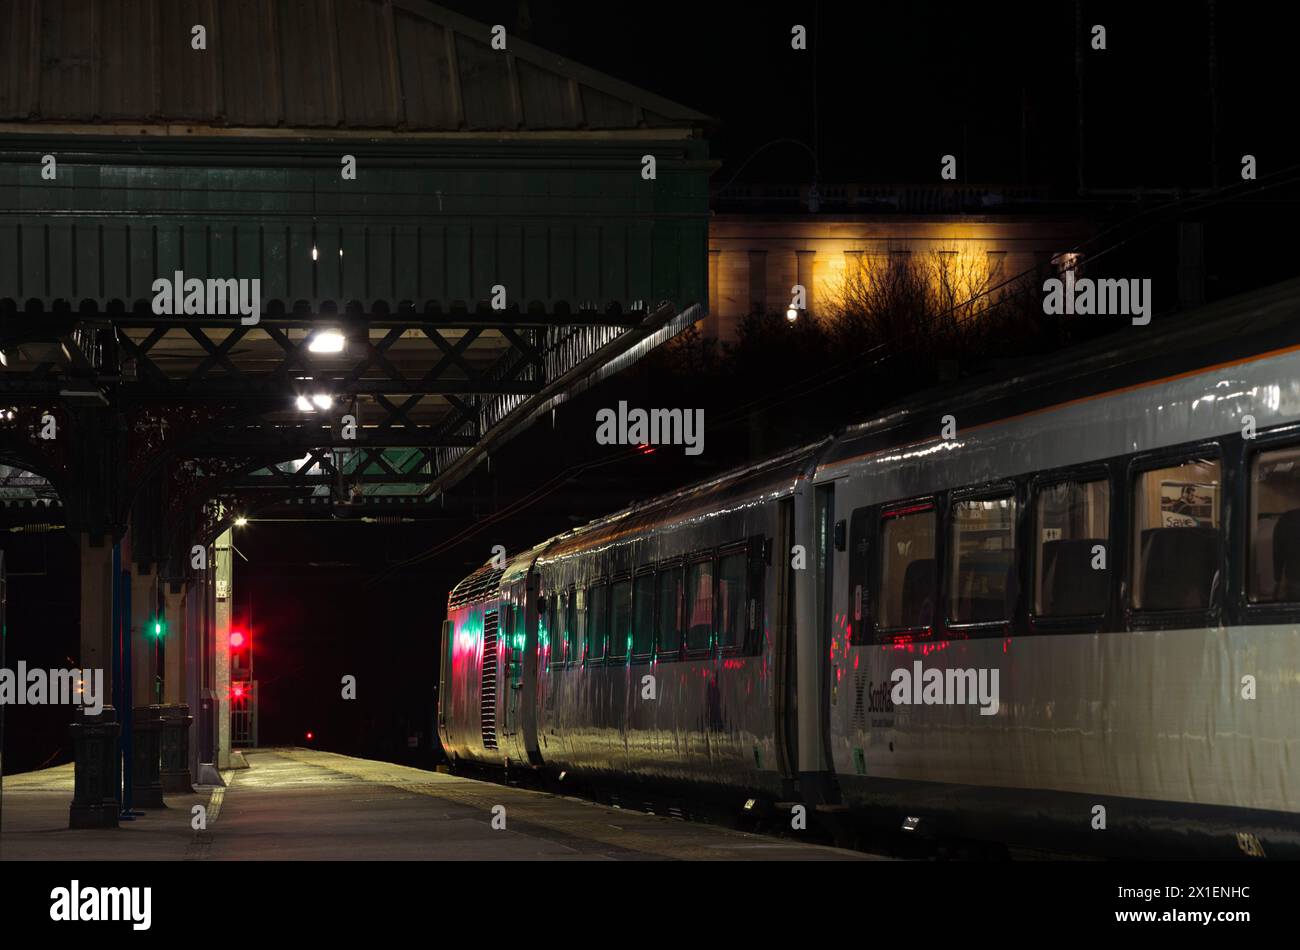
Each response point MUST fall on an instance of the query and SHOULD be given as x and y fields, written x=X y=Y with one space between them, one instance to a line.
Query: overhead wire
x=835 y=372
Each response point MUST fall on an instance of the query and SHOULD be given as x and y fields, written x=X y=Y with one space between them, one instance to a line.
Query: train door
x=785 y=699
x=528 y=692
x=828 y=538
x=444 y=672
x=815 y=532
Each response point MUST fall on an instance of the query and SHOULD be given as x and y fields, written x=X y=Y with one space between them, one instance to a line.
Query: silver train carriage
x=1060 y=610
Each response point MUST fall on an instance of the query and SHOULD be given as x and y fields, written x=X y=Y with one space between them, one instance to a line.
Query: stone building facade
x=759 y=251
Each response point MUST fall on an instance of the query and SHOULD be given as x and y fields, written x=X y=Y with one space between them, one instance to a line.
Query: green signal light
x=159 y=629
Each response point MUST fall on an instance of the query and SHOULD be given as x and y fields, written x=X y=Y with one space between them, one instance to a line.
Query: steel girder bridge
x=213 y=418
x=448 y=239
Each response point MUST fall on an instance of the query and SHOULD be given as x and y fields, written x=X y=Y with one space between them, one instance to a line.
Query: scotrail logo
x=74 y=902
x=24 y=687
x=953 y=687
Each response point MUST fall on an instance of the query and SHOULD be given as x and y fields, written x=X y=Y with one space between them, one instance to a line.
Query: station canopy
x=517 y=226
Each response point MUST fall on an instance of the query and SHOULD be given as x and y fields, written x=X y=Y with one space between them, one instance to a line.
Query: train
x=1056 y=609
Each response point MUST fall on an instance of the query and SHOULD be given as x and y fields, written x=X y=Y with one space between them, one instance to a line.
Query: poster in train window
x=1188 y=504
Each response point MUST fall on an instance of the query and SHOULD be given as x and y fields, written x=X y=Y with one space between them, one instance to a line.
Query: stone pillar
x=203 y=735
x=176 y=776
x=144 y=612
x=758 y=289
x=97 y=607
x=710 y=327
x=805 y=275
x=96 y=798
x=146 y=748
x=224 y=571
x=195 y=676
x=174 y=653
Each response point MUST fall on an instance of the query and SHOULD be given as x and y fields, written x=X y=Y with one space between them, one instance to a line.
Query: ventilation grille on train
x=860 y=699
x=488 y=693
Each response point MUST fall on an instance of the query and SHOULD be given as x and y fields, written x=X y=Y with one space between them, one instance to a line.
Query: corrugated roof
x=403 y=65
x=480 y=585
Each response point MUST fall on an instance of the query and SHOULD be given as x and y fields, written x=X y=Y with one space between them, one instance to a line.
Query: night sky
x=896 y=86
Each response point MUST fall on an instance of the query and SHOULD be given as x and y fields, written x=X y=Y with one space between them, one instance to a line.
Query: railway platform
x=302 y=804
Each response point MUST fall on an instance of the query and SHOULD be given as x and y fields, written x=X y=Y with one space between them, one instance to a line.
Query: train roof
x=518 y=565
x=1219 y=334
x=487 y=580
x=745 y=481
x=484 y=582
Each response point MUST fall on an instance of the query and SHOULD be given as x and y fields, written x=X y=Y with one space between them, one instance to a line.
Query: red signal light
x=310 y=736
x=237 y=639
x=237 y=691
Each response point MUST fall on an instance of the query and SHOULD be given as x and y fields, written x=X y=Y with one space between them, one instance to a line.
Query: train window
x=699 y=606
x=982 y=562
x=643 y=614
x=570 y=625
x=731 y=599
x=907 y=575
x=1274 y=553
x=552 y=638
x=596 y=622
x=513 y=628
x=1072 y=541
x=1177 y=536
x=620 y=618
x=669 y=629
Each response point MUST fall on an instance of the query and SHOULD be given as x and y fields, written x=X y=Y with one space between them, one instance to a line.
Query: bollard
x=146 y=765
x=176 y=778
x=95 y=797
